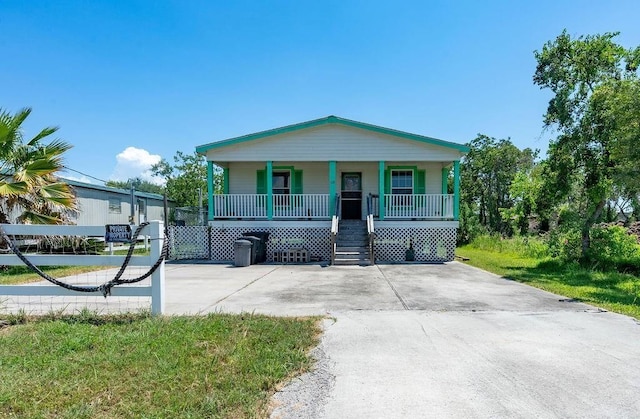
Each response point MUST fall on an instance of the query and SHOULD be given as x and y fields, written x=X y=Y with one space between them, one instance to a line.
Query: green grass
x=88 y=366
x=23 y=275
x=614 y=291
x=13 y=275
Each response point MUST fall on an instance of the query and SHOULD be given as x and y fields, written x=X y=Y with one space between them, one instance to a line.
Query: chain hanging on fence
x=105 y=288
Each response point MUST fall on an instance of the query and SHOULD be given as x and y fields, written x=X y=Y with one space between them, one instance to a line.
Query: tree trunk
x=586 y=230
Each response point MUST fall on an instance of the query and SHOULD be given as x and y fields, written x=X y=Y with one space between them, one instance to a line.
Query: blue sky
x=142 y=79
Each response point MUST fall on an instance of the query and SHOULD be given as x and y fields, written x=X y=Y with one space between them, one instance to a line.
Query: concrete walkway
x=432 y=341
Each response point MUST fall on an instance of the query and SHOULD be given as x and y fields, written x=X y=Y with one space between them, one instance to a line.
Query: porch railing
x=301 y=206
x=240 y=206
x=284 y=206
x=425 y=206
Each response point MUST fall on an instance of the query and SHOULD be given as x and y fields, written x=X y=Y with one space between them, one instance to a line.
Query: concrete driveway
x=432 y=341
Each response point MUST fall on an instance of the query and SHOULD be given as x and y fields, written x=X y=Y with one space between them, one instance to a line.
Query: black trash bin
x=260 y=246
x=255 y=247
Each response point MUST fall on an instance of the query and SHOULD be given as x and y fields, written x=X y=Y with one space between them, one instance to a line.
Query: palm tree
x=30 y=191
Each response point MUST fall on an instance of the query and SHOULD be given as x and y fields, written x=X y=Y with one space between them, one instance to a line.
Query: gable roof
x=331 y=119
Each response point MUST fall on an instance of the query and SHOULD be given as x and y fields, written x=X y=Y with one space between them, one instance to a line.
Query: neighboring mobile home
x=101 y=205
x=300 y=182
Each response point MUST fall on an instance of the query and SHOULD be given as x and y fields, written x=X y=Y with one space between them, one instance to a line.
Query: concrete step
x=352 y=255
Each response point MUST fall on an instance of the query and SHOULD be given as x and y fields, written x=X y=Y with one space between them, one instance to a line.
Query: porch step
x=352 y=243
x=352 y=256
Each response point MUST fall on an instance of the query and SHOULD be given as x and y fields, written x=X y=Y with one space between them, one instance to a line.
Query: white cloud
x=135 y=162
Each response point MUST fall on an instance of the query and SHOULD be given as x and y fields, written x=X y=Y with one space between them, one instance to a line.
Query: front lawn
x=612 y=291
x=89 y=366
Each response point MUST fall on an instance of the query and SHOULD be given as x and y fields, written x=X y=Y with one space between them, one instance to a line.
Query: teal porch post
x=381 y=189
x=269 y=176
x=445 y=180
x=210 y=189
x=456 y=190
x=332 y=187
x=225 y=180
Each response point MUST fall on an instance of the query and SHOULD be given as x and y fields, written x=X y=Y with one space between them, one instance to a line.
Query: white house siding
x=242 y=175
x=333 y=142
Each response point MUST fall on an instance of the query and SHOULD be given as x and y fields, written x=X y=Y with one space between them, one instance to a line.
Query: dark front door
x=351 y=196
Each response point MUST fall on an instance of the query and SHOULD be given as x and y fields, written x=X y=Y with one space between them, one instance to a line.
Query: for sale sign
x=117 y=233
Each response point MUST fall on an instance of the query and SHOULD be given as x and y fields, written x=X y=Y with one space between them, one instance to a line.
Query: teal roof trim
x=202 y=149
x=77 y=184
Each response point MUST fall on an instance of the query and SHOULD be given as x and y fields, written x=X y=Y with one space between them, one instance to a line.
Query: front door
x=351 y=196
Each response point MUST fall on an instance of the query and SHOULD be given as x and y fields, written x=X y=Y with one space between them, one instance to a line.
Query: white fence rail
x=156 y=290
x=424 y=206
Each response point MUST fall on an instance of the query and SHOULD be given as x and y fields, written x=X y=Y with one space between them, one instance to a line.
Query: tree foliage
x=29 y=186
x=487 y=174
x=138 y=184
x=588 y=162
x=185 y=178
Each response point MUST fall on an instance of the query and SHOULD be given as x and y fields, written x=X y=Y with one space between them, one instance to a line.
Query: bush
x=612 y=248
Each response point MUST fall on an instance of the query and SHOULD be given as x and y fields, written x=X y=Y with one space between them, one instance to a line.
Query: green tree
x=185 y=178
x=487 y=173
x=30 y=191
x=138 y=184
x=586 y=161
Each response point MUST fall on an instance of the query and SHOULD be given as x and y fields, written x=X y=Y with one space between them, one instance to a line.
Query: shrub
x=612 y=248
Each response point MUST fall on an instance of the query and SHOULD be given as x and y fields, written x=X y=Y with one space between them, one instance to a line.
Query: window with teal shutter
x=419 y=183
x=419 y=187
x=261 y=182
x=297 y=181
x=387 y=181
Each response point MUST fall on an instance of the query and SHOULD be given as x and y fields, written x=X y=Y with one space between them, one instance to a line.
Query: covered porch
x=320 y=190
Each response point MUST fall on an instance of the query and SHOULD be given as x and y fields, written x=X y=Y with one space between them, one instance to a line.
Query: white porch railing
x=423 y=206
x=301 y=206
x=240 y=206
x=284 y=206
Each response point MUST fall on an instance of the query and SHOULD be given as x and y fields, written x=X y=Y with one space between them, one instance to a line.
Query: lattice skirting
x=315 y=240
x=429 y=244
x=188 y=242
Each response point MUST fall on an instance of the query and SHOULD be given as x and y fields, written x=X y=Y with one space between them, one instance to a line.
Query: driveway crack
x=395 y=291
x=243 y=287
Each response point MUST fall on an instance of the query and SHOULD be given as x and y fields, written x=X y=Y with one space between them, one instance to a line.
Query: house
x=315 y=184
x=101 y=205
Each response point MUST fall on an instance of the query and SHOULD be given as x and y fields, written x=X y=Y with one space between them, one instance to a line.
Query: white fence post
x=157 y=278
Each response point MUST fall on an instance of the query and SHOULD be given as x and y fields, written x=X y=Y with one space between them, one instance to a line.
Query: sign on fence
x=117 y=233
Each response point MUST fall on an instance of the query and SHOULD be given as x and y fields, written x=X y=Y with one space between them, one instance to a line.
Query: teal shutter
x=261 y=182
x=418 y=182
x=297 y=182
x=387 y=182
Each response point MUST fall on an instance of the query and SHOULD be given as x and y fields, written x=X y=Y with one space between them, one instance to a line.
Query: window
x=115 y=206
x=282 y=183
x=402 y=182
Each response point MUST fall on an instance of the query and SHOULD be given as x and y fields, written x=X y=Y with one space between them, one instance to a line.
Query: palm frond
x=13 y=188
x=42 y=134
